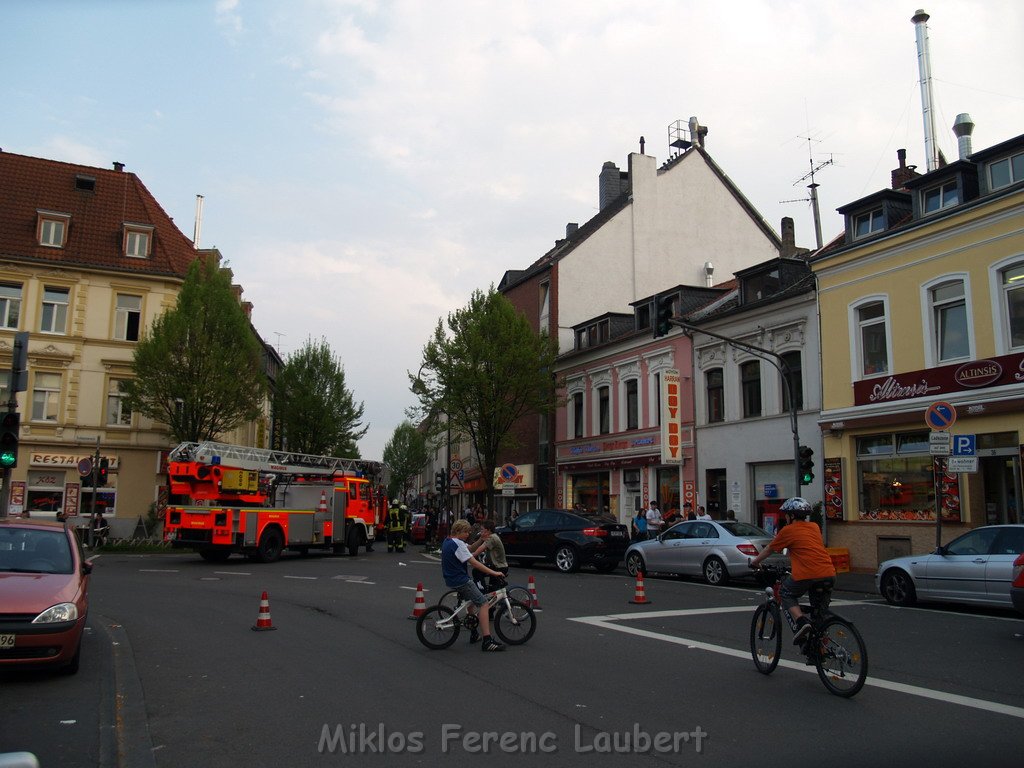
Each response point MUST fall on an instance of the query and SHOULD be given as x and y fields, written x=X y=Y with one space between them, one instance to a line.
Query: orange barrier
x=534 y=602
x=640 y=596
x=420 y=606
x=263 y=622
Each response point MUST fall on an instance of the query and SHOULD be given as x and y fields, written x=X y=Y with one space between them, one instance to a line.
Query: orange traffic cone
x=263 y=622
x=640 y=597
x=323 y=503
x=534 y=602
x=420 y=606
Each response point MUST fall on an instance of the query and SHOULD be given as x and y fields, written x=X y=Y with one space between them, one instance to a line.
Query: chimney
x=788 y=238
x=118 y=166
x=610 y=184
x=570 y=229
x=963 y=127
x=697 y=132
x=903 y=174
x=709 y=274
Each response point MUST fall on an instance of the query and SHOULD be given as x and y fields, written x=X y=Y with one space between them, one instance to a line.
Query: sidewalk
x=863 y=583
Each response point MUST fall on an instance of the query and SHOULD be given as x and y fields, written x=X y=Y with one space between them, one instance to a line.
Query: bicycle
x=514 y=622
x=834 y=646
x=516 y=592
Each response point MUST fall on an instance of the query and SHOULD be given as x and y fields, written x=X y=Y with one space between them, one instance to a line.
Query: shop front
x=54 y=484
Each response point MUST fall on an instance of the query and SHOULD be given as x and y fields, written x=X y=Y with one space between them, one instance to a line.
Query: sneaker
x=474 y=636
x=803 y=628
x=491 y=645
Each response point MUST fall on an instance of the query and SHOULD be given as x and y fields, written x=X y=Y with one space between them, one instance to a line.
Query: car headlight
x=57 y=613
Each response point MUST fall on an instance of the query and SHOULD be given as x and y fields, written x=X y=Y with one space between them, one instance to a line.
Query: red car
x=1017 y=585
x=44 y=595
x=418 y=529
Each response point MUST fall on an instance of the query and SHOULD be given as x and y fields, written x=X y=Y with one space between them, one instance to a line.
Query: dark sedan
x=567 y=539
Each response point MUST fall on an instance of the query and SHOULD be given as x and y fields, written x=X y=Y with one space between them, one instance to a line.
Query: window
x=657 y=400
x=118 y=414
x=796 y=377
x=545 y=305
x=632 y=404
x=949 y=321
x=46 y=397
x=868 y=223
x=716 y=395
x=577 y=415
x=10 y=305
x=1007 y=171
x=52 y=231
x=127 y=317
x=750 y=388
x=604 y=410
x=136 y=243
x=1012 y=279
x=581 y=339
x=942 y=196
x=54 y=317
x=874 y=350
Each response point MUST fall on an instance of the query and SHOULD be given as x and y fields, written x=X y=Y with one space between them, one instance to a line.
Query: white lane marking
x=609 y=622
x=353 y=579
x=233 y=573
x=303 y=578
x=208 y=578
x=414 y=588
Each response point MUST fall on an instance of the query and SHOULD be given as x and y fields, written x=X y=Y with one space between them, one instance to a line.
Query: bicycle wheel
x=766 y=638
x=519 y=594
x=450 y=600
x=436 y=628
x=841 y=657
x=514 y=622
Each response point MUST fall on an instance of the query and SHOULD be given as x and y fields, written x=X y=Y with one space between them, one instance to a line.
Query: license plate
x=6 y=641
x=618 y=534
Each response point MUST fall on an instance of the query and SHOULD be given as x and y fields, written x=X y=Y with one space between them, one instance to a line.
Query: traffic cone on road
x=640 y=597
x=263 y=622
x=420 y=606
x=534 y=602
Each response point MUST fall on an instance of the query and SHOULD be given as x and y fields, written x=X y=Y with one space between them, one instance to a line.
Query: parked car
x=714 y=550
x=976 y=567
x=44 y=594
x=1017 y=585
x=418 y=528
x=568 y=539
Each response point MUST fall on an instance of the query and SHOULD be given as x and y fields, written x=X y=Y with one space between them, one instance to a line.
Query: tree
x=198 y=369
x=483 y=370
x=318 y=412
x=405 y=454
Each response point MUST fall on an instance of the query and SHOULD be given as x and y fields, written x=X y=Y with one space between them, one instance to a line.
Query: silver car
x=716 y=551
x=976 y=567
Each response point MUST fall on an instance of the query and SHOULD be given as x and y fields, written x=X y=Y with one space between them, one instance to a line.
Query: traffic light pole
x=16 y=384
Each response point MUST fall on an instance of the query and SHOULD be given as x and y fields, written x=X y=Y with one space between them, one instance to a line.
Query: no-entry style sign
x=940 y=416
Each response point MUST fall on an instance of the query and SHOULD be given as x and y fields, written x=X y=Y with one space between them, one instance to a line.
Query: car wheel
x=898 y=588
x=715 y=572
x=566 y=559
x=635 y=564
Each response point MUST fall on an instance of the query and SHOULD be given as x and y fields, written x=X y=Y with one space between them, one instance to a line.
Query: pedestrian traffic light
x=806 y=465
x=9 y=440
x=439 y=482
x=664 y=310
x=101 y=475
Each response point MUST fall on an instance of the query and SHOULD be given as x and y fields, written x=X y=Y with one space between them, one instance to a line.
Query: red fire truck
x=259 y=502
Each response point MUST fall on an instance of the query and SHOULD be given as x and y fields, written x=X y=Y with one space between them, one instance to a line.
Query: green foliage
x=482 y=371
x=198 y=369
x=405 y=454
x=318 y=412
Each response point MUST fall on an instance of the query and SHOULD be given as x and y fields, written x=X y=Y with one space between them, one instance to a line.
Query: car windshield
x=30 y=550
x=745 y=529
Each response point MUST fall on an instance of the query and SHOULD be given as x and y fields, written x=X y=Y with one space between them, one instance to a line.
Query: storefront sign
x=671 y=418
x=945 y=379
x=17 y=505
x=513 y=476
x=65 y=460
x=834 y=489
x=71 y=497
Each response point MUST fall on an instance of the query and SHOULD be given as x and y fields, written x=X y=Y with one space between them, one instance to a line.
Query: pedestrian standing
x=640 y=526
x=654 y=520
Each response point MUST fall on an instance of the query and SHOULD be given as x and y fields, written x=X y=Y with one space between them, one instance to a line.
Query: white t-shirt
x=705 y=516
x=654 y=521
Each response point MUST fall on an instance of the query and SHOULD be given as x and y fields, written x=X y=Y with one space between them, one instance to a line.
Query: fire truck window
x=353 y=492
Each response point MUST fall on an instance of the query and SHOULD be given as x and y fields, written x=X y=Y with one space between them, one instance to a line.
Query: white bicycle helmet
x=797 y=506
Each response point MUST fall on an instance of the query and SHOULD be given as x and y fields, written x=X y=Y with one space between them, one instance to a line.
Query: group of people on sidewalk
x=649 y=522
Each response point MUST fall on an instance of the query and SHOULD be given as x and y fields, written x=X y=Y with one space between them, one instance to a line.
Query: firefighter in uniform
x=398 y=523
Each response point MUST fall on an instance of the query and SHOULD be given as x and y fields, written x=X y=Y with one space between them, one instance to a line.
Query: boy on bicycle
x=490 y=544
x=810 y=562
x=454 y=557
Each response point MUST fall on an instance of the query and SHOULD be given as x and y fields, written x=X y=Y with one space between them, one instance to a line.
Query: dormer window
x=52 y=229
x=137 y=241
x=1007 y=171
x=868 y=223
x=939 y=197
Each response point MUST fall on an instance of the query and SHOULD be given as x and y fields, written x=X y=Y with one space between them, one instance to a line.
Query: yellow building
x=922 y=303
x=88 y=259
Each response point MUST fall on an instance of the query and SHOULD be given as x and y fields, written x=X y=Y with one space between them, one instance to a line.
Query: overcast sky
x=366 y=165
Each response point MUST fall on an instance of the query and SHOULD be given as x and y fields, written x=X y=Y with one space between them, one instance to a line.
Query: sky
x=366 y=165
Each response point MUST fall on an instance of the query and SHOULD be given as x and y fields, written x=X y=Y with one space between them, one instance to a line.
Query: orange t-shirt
x=806 y=550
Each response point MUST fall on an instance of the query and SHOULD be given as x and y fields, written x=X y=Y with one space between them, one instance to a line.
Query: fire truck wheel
x=271 y=546
x=355 y=540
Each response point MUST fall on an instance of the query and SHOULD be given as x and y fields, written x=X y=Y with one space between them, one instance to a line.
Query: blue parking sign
x=963 y=445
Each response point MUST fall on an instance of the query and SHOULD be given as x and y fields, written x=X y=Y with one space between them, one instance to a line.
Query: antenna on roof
x=813 y=186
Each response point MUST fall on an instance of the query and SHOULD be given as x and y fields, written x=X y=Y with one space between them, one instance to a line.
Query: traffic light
x=664 y=310
x=439 y=482
x=9 y=440
x=101 y=475
x=806 y=465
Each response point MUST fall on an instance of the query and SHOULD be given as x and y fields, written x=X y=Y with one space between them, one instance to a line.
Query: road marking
x=233 y=573
x=303 y=578
x=609 y=622
x=353 y=579
x=414 y=589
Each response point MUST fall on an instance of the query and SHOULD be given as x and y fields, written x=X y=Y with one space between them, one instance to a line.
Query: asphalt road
x=173 y=675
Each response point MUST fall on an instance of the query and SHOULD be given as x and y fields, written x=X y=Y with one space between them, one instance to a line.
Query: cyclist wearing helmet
x=809 y=560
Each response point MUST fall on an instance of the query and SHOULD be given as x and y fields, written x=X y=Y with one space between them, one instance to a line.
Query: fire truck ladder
x=266 y=460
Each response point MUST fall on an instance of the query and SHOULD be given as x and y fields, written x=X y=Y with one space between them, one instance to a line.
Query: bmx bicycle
x=514 y=622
